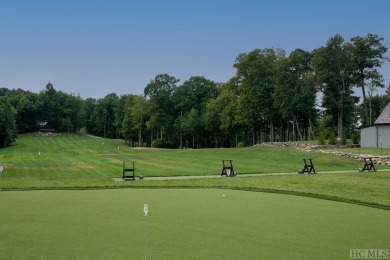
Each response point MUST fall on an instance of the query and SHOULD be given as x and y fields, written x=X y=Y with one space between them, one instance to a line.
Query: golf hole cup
x=146 y=208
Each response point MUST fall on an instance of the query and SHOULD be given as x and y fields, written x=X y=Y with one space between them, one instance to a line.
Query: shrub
x=159 y=143
x=355 y=138
x=332 y=138
x=321 y=139
x=344 y=140
x=240 y=144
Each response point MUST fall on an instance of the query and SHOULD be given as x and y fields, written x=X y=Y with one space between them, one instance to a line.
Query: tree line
x=272 y=97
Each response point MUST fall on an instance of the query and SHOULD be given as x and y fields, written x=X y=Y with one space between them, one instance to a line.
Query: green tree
x=377 y=104
x=160 y=91
x=123 y=115
x=89 y=106
x=368 y=56
x=227 y=102
x=7 y=122
x=52 y=102
x=334 y=65
x=212 y=119
x=193 y=94
x=139 y=115
x=73 y=115
x=191 y=125
x=220 y=116
x=27 y=116
x=387 y=91
x=255 y=74
x=135 y=114
x=104 y=116
x=295 y=93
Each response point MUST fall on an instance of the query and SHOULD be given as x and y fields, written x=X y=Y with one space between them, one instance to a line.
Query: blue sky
x=93 y=48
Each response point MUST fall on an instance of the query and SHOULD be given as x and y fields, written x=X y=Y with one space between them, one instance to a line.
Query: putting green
x=184 y=224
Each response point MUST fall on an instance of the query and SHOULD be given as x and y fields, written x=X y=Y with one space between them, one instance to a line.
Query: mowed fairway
x=69 y=161
x=60 y=198
x=184 y=224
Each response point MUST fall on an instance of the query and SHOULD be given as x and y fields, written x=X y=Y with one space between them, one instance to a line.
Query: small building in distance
x=378 y=134
x=46 y=128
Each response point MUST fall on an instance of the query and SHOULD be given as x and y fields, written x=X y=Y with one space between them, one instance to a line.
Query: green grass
x=80 y=157
x=80 y=162
x=184 y=224
x=59 y=200
x=358 y=188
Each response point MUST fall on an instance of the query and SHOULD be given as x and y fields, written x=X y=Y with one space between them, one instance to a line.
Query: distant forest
x=272 y=97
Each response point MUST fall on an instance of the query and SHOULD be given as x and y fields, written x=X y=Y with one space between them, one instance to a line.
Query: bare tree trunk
x=311 y=130
x=281 y=139
x=104 y=128
x=181 y=132
x=181 y=139
x=299 y=132
x=272 y=132
x=139 y=138
x=370 y=107
x=293 y=131
x=340 y=124
x=364 y=100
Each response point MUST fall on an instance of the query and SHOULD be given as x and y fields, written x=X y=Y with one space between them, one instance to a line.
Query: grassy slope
x=72 y=161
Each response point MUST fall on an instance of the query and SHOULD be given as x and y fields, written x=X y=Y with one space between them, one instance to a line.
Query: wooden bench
x=368 y=165
x=308 y=167
x=125 y=170
x=227 y=168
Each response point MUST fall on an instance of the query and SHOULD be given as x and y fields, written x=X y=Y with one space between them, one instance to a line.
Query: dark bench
x=128 y=173
x=308 y=167
x=368 y=165
x=227 y=168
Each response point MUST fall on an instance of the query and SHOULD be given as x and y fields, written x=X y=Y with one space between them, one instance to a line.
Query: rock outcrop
x=380 y=160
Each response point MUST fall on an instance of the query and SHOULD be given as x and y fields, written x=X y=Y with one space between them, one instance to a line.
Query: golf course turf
x=59 y=200
x=184 y=224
